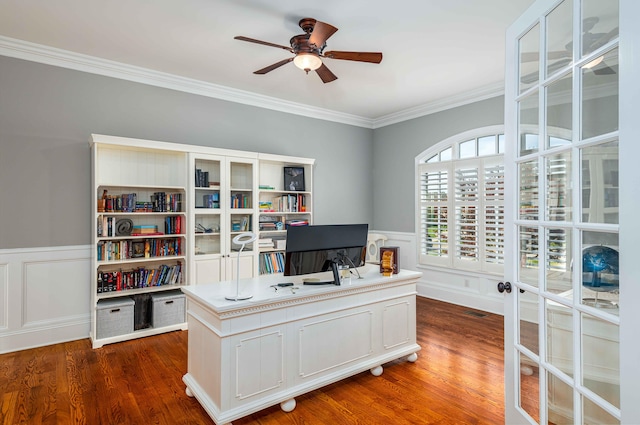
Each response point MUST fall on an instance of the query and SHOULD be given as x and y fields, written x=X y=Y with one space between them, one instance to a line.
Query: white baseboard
x=45 y=296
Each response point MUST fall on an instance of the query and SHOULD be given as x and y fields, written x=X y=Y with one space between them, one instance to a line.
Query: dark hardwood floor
x=458 y=379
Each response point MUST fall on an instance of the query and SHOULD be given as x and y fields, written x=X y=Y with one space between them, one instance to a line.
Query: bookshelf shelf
x=129 y=292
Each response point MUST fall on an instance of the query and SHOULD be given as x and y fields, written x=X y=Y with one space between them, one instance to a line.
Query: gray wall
x=395 y=148
x=48 y=113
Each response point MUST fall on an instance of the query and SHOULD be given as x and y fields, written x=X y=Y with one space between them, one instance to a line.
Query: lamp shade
x=307 y=61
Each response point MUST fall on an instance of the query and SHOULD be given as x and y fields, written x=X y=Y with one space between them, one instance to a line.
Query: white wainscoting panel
x=4 y=296
x=473 y=290
x=46 y=296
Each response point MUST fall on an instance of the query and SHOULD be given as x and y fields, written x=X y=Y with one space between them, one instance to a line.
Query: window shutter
x=494 y=214
x=466 y=205
x=434 y=214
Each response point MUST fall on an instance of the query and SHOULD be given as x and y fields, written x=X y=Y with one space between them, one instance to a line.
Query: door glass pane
x=529 y=387
x=528 y=173
x=599 y=193
x=529 y=48
x=559 y=187
x=528 y=124
x=500 y=143
x=528 y=319
x=599 y=23
x=600 y=270
x=601 y=358
x=559 y=261
x=559 y=112
x=600 y=95
x=594 y=414
x=528 y=269
x=559 y=336
x=560 y=401
x=559 y=37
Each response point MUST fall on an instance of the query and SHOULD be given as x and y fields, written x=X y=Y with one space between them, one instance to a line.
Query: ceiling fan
x=308 y=49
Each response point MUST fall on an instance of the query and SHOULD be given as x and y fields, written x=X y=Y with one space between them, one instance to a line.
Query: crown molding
x=465 y=98
x=25 y=50
x=21 y=49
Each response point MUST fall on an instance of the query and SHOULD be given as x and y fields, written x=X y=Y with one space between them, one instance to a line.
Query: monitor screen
x=320 y=248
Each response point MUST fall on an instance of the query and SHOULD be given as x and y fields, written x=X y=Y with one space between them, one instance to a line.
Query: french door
x=572 y=148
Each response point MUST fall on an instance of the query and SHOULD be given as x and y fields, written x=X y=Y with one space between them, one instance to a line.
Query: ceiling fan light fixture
x=307 y=61
x=594 y=62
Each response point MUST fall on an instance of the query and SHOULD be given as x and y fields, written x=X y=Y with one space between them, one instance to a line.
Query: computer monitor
x=320 y=248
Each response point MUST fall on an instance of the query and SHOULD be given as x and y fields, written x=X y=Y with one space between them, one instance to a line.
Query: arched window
x=460 y=218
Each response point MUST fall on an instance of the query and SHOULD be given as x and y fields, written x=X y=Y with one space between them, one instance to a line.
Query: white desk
x=245 y=356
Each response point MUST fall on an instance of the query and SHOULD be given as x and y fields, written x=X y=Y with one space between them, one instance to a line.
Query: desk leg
x=412 y=357
x=376 y=371
x=288 y=405
x=188 y=391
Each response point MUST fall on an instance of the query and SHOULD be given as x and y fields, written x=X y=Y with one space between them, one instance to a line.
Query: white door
x=568 y=356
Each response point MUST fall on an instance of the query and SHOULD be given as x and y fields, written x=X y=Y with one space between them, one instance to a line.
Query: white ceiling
x=432 y=49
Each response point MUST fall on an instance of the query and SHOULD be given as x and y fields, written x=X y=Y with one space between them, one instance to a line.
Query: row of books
x=139 y=278
x=271 y=262
x=202 y=178
x=211 y=200
x=108 y=227
x=128 y=202
x=138 y=248
x=240 y=200
x=172 y=225
x=286 y=203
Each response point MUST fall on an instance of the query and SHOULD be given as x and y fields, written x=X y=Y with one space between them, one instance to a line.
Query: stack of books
x=144 y=230
x=266 y=243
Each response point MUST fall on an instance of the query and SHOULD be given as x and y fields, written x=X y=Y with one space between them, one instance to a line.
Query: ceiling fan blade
x=355 y=56
x=265 y=43
x=272 y=67
x=321 y=32
x=325 y=74
x=604 y=39
x=603 y=69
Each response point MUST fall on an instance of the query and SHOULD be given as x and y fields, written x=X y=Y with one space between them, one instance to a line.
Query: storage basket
x=168 y=308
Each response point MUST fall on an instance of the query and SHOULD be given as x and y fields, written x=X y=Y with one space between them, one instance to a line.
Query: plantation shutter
x=493 y=177
x=467 y=207
x=434 y=213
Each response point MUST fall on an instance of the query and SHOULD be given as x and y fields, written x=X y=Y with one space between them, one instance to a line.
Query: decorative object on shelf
x=242 y=239
x=389 y=260
x=600 y=273
x=294 y=178
x=137 y=249
x=124 y=227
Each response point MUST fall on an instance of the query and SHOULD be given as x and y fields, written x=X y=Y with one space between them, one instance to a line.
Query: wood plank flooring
x=458 y=379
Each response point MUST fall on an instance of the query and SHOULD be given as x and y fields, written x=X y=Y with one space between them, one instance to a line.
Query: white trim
x=25 y=50
x=482 y=93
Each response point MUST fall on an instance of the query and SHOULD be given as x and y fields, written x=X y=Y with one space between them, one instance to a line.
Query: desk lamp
x=242 y=239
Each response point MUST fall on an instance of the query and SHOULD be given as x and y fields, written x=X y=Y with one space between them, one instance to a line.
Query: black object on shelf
x=142 y=311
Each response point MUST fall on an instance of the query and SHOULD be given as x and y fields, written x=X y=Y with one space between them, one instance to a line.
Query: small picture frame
x=137 y=249
x=294 y=179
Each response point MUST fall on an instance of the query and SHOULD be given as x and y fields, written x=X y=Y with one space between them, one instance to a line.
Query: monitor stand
x=335 y=281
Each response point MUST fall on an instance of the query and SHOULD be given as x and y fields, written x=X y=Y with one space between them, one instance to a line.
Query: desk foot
x=288 y=405
x=376 y=371
x=412 y=357
x=188 y=391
